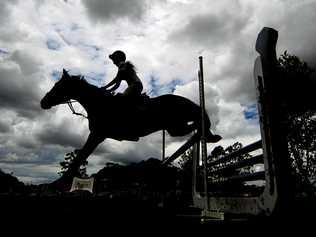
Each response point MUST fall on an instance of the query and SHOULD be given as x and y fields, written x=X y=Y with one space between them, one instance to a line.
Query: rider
x=126 y=72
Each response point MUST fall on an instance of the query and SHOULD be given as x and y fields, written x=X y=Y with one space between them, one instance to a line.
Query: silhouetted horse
x=125 y=118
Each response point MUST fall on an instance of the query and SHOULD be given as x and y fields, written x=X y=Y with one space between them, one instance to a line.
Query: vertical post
x=195 y=164
x=163 y=153
x=203 y=139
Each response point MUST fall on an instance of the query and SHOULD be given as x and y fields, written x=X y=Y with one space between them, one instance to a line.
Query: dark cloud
x=21 y=100
x=102 y=10
x=19 y=92
x=297 y=32
x=15 y=154
x=60 y=135
x=40 y=171
x=211 y=30
x=4 y=127
x=27 y=142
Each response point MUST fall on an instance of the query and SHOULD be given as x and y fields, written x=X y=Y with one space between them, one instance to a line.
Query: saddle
x=143 y=98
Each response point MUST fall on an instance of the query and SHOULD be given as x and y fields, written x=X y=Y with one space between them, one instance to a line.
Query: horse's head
x=60 y=93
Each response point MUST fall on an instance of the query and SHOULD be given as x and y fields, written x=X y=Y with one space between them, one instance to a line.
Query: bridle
x=69 y=103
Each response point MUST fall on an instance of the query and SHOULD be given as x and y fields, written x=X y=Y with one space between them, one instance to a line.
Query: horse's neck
x=87 y=96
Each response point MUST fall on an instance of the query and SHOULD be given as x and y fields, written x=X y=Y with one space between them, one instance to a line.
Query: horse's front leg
x=91 y=144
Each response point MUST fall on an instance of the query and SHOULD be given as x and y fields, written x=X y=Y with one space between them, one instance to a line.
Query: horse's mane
x=83 y=80
x=86 y=84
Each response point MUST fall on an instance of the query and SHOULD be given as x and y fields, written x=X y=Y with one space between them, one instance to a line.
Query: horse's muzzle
x=44 y=104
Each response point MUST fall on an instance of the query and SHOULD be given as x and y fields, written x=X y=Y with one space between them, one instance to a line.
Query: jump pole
x=203 y=138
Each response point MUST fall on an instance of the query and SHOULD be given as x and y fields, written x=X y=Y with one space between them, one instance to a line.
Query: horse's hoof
x=213 y=138
x=63 y=184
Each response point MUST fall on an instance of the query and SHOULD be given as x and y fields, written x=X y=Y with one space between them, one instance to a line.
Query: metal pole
x=163 y=144
x=203 y=139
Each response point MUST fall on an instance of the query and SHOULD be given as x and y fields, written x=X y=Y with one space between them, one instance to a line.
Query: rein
x=69 y=103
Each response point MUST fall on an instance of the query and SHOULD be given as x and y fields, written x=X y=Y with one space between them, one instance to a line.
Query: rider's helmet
x=118 y=55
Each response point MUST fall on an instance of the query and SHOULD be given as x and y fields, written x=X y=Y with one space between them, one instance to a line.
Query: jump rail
x=218 y=197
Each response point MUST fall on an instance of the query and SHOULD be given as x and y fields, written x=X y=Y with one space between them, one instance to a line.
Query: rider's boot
x=212 y=138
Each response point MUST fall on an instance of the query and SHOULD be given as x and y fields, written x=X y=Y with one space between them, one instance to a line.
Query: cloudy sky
x=163 y=38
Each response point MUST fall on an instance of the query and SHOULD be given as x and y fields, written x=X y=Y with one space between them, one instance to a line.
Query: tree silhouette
x=299 y=106
x=298 y=87
x=68 y=159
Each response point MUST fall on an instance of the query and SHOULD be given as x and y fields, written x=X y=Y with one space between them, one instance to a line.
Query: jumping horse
x=125 y=118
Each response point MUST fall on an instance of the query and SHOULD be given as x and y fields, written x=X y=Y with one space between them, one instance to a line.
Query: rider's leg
x=133 y=90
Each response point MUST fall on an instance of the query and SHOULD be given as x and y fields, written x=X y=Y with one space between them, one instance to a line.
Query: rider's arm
x=116 y=82
x=117 y=85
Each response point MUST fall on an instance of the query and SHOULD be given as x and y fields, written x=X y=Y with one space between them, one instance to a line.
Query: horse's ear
x=65 y=72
